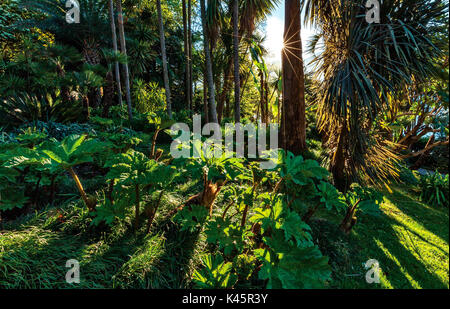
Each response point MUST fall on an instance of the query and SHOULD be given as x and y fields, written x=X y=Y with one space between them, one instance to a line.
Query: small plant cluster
x=32 y=165
x=261 y=238
x=434 y=189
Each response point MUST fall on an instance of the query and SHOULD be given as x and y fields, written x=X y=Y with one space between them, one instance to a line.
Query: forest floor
x=409 y=239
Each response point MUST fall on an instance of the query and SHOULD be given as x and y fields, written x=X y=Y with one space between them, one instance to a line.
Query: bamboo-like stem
x=155 y=136
x=152 y=217
x=79 y=186
x=136 y=222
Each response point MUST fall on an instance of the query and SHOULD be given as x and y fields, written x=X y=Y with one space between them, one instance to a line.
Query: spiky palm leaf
x=358 y=64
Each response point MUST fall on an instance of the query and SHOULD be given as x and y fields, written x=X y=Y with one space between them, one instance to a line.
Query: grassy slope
x=410 y=240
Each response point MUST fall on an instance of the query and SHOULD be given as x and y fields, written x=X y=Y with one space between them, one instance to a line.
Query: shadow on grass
x=411 y=250
x=436 y=218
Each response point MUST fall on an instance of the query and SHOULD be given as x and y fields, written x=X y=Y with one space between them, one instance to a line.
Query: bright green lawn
x=410 y=241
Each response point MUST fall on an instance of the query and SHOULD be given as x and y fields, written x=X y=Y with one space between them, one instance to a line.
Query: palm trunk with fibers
x=164 y=58
x=209 y=70
x=293 y=124
x=337 y=163
x=186 y=56
x=123 y=49
x=114 y=41
x=237 y=83
x=350 y=219
x=108 y=94
x=91 y=55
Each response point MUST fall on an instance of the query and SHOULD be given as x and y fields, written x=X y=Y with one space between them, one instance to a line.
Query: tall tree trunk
x=164 y=58
x=191 y=92
x=108 y=94
x=186 y=56
x=337 y=164
x=293 y=127
x=209 y=70
x=237 y=83
x=227 y=106
x=205 y=98
x=225 y=89
x=91 y=55
x=114 y=41
x=262 y=97
x=266 y=99
x=123 y=49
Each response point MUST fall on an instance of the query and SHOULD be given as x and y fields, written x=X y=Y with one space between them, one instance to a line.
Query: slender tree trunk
x=293 y=125
x=191 y=92
x=225 y=89
x=123 y=49
x=164 y=58
x=237 y=83
x=205 y=98
x=262 y=97
x=227 y=106
x=137 y=211
x=90 y=203
x=186 y=56
x=114 y=41
x=224 y=94
x=108 y=94
x=266 y=99
x=209 y=70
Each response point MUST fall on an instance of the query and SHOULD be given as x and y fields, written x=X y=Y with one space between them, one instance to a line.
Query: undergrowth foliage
x=261 y=237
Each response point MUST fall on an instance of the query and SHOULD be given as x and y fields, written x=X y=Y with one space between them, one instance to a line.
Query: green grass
x=409 y=239
x=34 y=250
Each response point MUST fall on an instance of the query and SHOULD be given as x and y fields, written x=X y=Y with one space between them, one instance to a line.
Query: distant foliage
x=59 y=130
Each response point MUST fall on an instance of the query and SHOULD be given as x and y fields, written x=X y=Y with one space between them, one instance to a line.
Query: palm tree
x=359 y=65
x=164 y=58
x=209 y=71
x=114 y=41
x=251 y=12
x=87 y=35
x=123 y=49
x=293 y=120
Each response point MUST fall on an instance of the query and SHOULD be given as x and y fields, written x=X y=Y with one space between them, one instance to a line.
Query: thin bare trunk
x=114 y=41
x=123 y=49
x=90 y=203
x=164 y=58
x=186 y=56
x=138 y=201
x=209 y=70
x=205 y=99
x=191 y=102
x=237 y=83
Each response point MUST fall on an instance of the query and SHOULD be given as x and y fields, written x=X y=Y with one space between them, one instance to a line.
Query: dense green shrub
x=434 y=189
